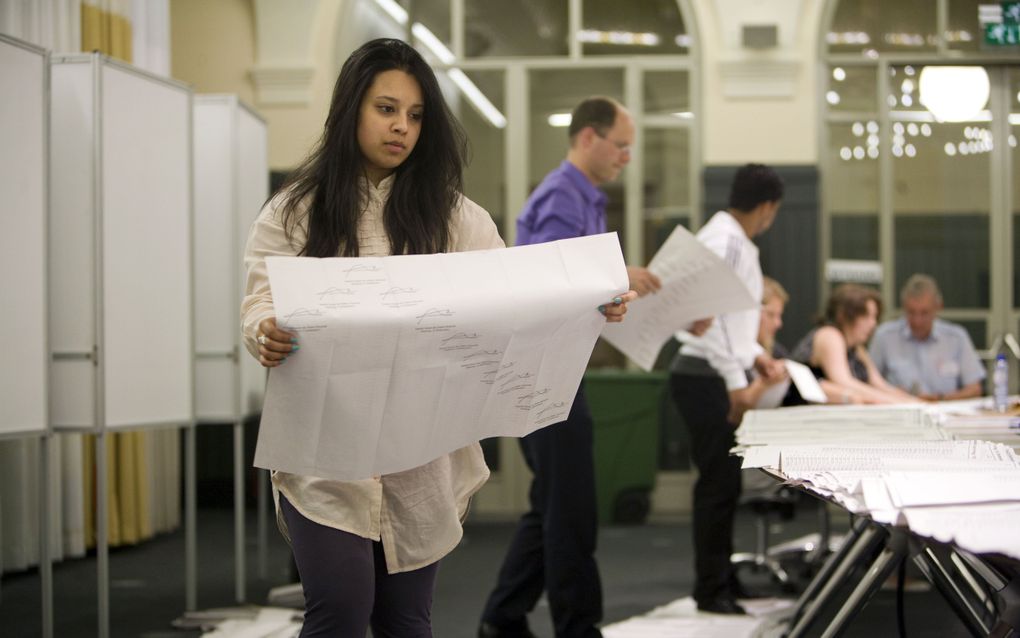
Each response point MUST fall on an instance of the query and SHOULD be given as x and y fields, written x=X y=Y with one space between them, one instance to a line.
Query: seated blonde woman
x=835 y=350
x=773 y=302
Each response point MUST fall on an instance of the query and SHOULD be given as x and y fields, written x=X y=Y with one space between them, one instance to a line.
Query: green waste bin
x=625 y=407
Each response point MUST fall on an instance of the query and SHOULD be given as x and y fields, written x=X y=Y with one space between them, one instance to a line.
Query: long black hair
x=427 y=184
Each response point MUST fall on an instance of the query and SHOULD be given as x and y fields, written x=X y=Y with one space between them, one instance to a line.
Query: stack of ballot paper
x=977 y=419
x=899 y=465
x=822 y=424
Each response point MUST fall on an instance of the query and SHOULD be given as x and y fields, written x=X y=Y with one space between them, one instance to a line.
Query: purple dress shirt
x=565 y=205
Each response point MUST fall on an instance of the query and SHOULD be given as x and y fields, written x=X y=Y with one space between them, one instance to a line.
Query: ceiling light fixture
x=629 y=38
x=559 y=120
x=954 y=93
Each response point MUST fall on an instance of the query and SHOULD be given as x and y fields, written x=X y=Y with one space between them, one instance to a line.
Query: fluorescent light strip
x=477 y=98
x=561 y=120
x=440 y=50
x=433 y=43
x=926 y=116
x=394 y=10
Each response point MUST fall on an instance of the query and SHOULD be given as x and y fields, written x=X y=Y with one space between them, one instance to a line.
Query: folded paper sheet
x=696 y=284
x=406 y=358
x=773 y=396
x=808 y=386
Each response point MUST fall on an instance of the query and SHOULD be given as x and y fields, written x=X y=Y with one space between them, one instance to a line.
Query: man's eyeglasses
x=623 y=147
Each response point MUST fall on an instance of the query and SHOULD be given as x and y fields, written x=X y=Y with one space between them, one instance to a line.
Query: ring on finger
x=262 y=339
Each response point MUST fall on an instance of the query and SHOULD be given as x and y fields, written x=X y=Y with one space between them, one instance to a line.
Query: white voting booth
x=120 y=266
x=24 y=498
x=231 y=178
x=23 y=249
x=231 y=183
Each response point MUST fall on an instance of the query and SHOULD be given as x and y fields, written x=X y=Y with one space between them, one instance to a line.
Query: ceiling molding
x=283 y=85
x=759 y=78
x=285 y=65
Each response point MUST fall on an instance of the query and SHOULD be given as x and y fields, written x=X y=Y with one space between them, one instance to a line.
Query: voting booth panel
x=23 y=129
x=231 y=185
x=120 y=252
x=253 y=140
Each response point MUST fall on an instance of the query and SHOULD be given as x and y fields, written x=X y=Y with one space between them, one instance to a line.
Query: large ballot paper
x=406 y=358
x=696 y=284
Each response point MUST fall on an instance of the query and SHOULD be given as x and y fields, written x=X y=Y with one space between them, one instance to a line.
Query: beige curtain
x=128 y=493
x=106 y=27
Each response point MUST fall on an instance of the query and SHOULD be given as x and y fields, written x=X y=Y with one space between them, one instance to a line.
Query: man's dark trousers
x=704 y=404
x=554 y=545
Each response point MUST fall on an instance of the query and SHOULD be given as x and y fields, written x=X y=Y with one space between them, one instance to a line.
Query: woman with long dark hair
x=385 y=179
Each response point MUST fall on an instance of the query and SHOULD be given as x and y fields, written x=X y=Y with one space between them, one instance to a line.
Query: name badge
x=948 y=369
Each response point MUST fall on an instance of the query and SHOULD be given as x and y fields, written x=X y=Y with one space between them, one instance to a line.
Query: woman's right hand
x=615 y=310
x=275 y=344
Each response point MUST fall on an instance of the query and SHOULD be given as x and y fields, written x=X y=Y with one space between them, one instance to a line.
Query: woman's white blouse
x=416 y=514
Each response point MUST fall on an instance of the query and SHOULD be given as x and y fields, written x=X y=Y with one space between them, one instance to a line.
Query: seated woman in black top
x=836 y=351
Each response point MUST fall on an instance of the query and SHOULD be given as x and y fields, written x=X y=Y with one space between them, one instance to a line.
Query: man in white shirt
x=709 y=382
x=924 y=355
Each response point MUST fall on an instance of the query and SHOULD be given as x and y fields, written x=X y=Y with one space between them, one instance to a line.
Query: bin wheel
x=632 y=506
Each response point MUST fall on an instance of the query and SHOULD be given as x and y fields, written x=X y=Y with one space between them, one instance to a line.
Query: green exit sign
x=1002 y=34
x=1001 y=23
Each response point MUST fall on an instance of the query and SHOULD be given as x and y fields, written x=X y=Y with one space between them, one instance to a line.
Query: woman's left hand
x=275 y=344
x=615 y=309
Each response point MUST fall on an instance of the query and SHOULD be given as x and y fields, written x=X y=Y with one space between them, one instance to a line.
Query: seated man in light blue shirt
x=924 y=355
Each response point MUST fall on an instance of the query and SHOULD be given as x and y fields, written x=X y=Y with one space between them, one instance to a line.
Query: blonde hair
x=772 y=289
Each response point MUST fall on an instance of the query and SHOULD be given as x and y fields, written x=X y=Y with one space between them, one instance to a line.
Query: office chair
x=765 y=505
x=769 y=501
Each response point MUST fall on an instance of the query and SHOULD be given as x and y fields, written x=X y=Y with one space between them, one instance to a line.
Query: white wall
x=759 y=105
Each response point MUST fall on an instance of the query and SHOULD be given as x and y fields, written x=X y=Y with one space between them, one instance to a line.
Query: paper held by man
x=406 y=358
x=696 y=284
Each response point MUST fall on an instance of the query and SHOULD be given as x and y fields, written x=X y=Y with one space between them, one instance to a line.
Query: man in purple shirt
x=553 y=548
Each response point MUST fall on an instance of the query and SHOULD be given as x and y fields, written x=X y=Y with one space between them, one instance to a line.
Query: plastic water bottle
x=1000 y=383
